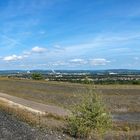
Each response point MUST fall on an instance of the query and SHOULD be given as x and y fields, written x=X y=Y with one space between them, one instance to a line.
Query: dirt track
x=13 y=129
x=33 y=106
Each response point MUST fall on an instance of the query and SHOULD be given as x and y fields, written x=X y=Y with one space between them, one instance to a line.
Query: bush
x=89 y=118
x=37 y=76
x=136 y=82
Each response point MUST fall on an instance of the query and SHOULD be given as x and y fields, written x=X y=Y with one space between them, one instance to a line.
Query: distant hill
x=117 y=71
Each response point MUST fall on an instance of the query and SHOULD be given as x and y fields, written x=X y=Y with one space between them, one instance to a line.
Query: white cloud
x=57 y=49
x=57 y=46
x=78 y=61
x=136 y=58
x=98 y=61
x=27 y=53
x=13 y=58
x=59 y=63
x=38 y=49
x=24 y=54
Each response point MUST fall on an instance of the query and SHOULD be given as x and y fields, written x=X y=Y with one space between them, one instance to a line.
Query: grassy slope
x=118 y=98
x=67 y=94
x=41 y=91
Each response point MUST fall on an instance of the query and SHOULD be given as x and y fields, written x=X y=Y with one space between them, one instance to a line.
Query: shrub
x=37 y=76
x=136 y=82
x=89 y=118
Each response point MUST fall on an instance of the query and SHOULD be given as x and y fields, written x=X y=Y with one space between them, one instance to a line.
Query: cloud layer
x=99 y=61
x=12 y=58
x=38 y=50
x=25 y=54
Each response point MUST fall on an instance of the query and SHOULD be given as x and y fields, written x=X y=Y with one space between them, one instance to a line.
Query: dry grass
x=43 y=92
x=126 y=126
x=118 y=98
x=21 y=114
x=122 y=100
x=49 y=121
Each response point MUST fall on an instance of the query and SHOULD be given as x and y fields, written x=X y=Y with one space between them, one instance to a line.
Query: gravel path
x=34 y=106
x=13 y=129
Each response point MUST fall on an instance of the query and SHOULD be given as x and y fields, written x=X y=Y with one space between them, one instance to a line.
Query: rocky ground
x=13 y=129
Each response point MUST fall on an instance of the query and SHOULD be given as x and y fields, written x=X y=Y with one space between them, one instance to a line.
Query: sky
x=69 y=34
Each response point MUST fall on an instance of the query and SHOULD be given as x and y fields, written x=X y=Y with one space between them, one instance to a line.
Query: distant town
x=120 y=76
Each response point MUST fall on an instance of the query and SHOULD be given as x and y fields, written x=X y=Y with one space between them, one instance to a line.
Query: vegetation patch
x=89 y=118
x=37 y=76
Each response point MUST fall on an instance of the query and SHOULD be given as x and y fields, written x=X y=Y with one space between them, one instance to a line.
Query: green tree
x=37 y=76
x=89 y=118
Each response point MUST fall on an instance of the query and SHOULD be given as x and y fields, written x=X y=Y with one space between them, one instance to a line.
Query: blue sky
x=69 y=34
